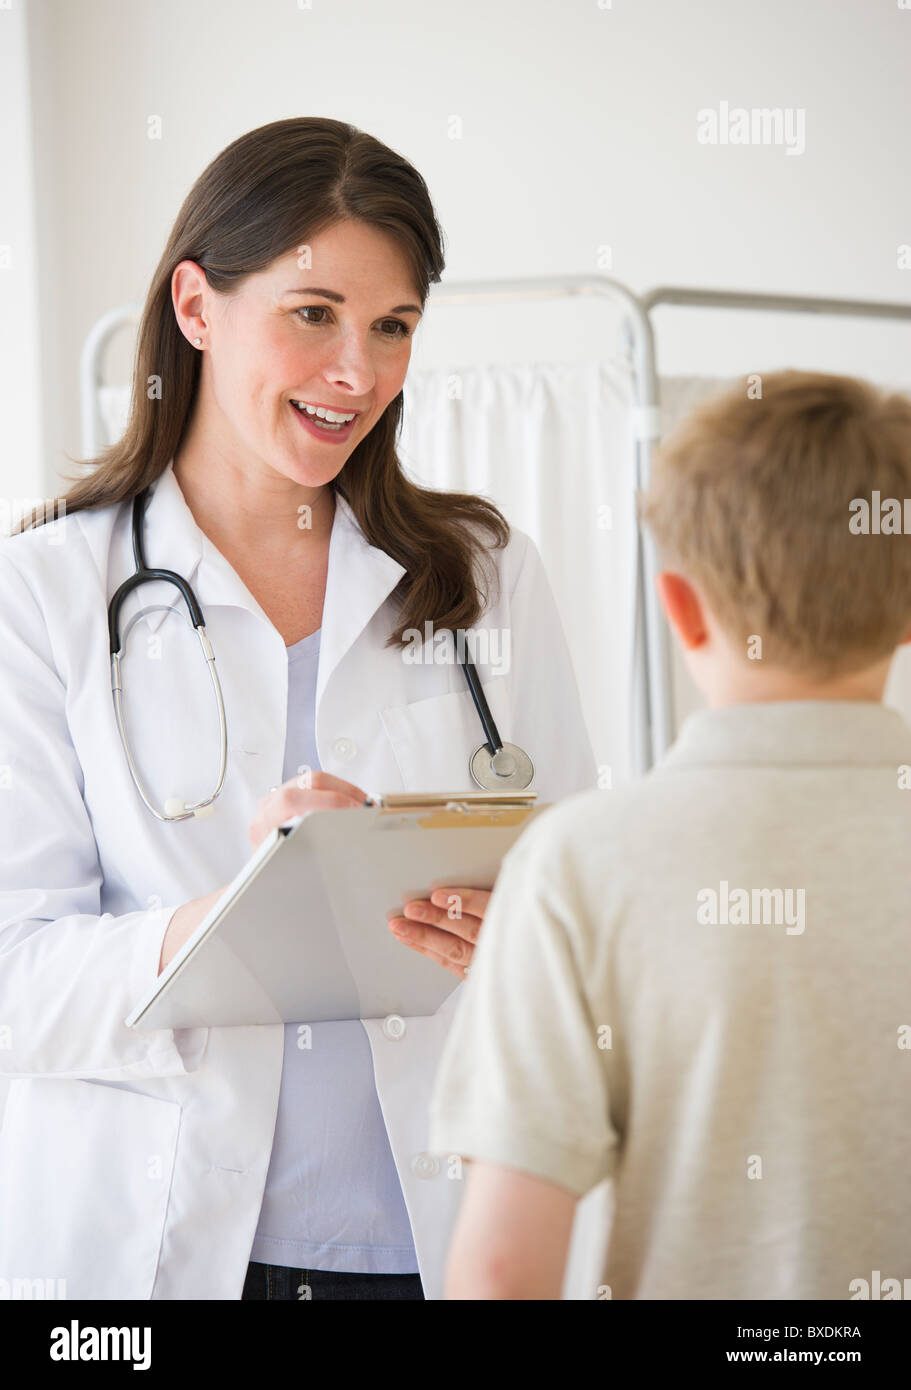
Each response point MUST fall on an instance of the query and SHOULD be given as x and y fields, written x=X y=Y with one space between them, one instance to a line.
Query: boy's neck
x=771 y=686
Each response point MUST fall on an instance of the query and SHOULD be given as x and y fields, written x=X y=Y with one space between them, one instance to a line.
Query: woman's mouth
x=324 y=423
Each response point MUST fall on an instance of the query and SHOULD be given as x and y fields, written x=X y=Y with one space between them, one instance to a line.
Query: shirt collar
x=790 y=733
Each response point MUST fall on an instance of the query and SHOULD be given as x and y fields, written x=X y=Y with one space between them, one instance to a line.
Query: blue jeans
x=282 y=1282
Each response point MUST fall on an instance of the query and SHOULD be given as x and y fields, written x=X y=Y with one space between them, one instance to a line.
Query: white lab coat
x=132 y=1164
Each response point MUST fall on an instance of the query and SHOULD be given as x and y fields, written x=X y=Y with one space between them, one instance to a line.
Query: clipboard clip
x=453 y=810
x=464 y=802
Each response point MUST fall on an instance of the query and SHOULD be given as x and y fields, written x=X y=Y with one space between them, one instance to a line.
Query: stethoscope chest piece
x=510 y=769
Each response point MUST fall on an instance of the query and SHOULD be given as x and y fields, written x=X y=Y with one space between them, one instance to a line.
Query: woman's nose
x=351 y=365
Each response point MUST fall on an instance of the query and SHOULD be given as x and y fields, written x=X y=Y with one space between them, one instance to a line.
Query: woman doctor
x=260 y=1162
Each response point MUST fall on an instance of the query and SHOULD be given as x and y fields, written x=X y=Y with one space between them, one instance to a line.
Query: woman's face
x=328 y=325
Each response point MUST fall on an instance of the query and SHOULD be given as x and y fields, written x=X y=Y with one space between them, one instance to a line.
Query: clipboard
x=300 y=935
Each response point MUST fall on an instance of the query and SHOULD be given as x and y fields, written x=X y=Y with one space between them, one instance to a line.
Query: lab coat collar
x=173 y=541
x=360 y=576
x=793 y=732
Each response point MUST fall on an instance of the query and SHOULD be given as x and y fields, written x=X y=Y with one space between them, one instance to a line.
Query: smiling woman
x=299 y=201
x=287 y=1161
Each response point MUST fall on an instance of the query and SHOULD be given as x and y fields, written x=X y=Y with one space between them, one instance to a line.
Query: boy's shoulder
x=618 y=835
x=596 y=823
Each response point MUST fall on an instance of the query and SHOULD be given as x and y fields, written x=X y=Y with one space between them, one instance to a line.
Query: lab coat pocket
x=85 y=1176
x=433 y=740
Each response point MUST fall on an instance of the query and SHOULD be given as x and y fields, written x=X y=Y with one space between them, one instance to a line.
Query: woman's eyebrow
x=340 y=299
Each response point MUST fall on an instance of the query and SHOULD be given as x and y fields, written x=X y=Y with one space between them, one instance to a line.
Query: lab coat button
x=394 y=1026
x=425 y=1166
x=344 y=748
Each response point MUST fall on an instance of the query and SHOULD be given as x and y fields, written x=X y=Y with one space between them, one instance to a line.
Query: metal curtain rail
x=777 y=303
x=91 y=373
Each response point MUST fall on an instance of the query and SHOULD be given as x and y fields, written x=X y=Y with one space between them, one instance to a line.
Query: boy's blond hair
x=751 y=499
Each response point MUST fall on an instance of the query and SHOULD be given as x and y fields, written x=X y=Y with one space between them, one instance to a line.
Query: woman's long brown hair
x=268 y=192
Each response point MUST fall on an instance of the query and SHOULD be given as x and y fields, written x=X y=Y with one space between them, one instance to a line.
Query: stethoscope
x=494 y=766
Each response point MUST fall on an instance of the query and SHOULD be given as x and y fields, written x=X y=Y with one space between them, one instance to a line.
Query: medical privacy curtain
x=551 y=445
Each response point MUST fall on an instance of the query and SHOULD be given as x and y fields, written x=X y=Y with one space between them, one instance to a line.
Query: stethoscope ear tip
x=175 y=808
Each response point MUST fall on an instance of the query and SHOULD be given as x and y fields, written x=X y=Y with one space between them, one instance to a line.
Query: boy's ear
x=683 y=609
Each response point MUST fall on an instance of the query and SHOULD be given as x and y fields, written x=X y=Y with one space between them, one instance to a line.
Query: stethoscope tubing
x=494 y=742
x=144 y=575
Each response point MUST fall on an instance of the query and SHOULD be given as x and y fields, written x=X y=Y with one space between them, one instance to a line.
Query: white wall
x=579 y=132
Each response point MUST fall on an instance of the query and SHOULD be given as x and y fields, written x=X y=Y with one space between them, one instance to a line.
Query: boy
x=698 y=986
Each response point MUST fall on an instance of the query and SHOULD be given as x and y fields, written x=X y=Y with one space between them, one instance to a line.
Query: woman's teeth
x=326 y=419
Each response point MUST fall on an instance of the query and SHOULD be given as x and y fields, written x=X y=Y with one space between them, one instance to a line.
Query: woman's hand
x=279 y=805
x=444 y=927
x=325 y=793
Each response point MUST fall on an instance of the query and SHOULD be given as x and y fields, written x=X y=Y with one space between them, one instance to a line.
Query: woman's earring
x=197 y=342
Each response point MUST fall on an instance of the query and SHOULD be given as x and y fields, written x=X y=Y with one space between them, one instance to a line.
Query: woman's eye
x=313 y=309
x=390 y=328
x=402 y=329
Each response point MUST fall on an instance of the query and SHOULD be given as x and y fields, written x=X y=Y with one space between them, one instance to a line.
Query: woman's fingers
x=324 y=793
x=457 y=910
x=443 y=927
x=291 y=800
x=317 y=780
x=471 y=901
x=453 y=952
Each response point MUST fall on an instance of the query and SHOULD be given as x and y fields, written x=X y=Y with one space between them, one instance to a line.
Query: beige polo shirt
x=699 y=986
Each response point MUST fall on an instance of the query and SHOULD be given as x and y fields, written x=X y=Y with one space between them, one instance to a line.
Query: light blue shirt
x=333 y=1198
